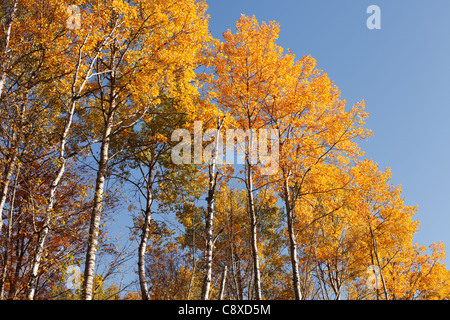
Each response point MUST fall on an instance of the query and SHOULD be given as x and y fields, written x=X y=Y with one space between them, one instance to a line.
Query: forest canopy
x=239 y=162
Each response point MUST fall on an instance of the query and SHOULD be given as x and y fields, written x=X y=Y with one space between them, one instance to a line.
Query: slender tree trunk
x=240 y=286
x=40 y=246
x=209 y=235
x=194 y=266
x=253 y=229
x=51 y=200
x=223 y=283
x=37 y=258
x=378 y=261
x=210 y=216
x=96 y=213
x=292 y=241
x=108 y=114
x=232 y=258
x=8 y=236
x=12 y=161
x=7 y=173
x=62 y=163
x=13 y=288
x=144 y=237
x=324 y=297
x=5 y=61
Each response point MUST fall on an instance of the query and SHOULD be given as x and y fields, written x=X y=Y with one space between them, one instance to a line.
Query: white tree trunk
x=6 y=58
x=210 y=216
x=374 y=242
x=144 y=237
x=6 y=181
x=11 y=162
x=9 y=234
x=223 y=283
x=96 y=214
x=60 y=171
x=292 y=241
x=254 y=237
x=39 y=251
x=109 y=114
x=209 y=236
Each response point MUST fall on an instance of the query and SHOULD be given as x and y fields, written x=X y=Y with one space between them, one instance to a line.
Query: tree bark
x=292 y=241
x=60 y=171
x=109 y=112
x=48 y=210
x=7 y=173
x=12 y=161
x=194 y=267
x=223 y=283
x=253 y=229
x=144 y=237
x=209 y=235
x=8 y=236
x=96 y=213
x=210 y=217
x=378 y=261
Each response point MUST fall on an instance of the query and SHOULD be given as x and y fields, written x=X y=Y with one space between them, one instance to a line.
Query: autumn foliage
x=89 y=101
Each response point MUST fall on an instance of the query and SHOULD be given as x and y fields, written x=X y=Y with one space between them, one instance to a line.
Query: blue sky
x=401 y=71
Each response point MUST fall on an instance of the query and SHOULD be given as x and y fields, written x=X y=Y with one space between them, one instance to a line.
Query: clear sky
x=402 y=71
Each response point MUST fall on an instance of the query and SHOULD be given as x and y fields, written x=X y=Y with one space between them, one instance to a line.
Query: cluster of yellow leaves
x=337 y=199
x=335 y=238
x=347 y=215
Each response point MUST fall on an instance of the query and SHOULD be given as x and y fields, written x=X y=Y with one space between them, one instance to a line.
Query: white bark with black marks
x=254 y=231
x=89 y=270
x=210 y=217
x=144 y=236
x=292 y=241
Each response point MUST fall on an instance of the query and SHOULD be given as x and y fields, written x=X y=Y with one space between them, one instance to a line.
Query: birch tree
x=210 y=209
x=244 y=73
x=74 y=88
x=154 y=51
